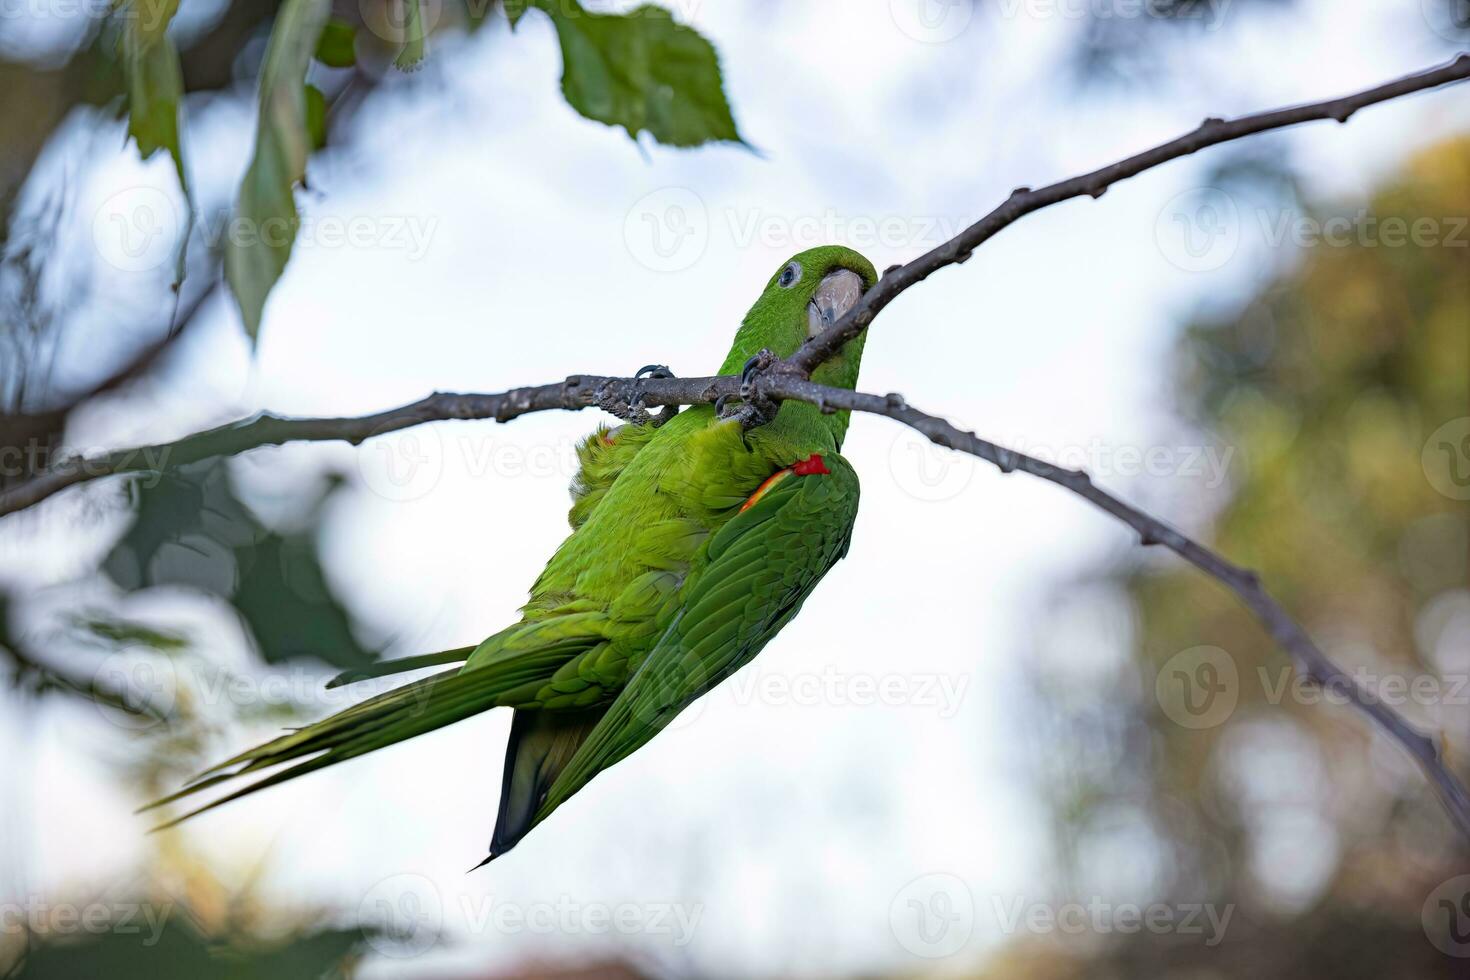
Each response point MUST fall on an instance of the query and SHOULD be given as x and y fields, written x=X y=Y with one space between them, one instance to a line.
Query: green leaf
x=192 y=530
x=154 y=79
x=336 y=48
x=265 y=212
x=316 y=116
x=515 y=10
x=641 y=71
x=413 y=36
x=155 y=86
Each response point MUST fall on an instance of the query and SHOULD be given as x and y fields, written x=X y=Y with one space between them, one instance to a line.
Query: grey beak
x=837 y=293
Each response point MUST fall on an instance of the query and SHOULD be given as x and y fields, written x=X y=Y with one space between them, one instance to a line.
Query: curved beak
x=837 y=293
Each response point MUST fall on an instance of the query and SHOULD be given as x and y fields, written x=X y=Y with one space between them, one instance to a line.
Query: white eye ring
x=789 y=276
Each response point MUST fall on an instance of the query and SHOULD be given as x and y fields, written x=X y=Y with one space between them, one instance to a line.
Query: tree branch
x=789 y=380
x=1024 y=200
x=583 y=391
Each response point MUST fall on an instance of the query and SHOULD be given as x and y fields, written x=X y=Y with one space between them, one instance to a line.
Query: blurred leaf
x=191 y=530
x=316 y=116
x=336 y=48
x=412 y=54
x=154 y=79
x=125 y=633
x=266 y=207
x=155 y=84
x=160 y=943
x=284 y=597
x=641 y=71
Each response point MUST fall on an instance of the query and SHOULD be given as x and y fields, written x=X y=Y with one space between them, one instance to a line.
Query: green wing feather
x=760 y=567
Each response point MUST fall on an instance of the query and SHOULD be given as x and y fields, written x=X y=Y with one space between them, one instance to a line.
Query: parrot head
x=810 y=292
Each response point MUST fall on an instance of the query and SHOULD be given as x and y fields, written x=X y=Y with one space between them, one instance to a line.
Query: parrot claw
x=762 y=360
x=632 y=410
x=758 y=409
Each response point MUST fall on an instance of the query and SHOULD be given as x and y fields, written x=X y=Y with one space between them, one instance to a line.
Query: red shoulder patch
x=813 y=465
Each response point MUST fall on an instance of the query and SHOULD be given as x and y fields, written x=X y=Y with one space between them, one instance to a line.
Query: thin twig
x=1024 y=200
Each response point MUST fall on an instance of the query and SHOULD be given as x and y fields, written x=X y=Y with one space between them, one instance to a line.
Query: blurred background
x=1001 y=741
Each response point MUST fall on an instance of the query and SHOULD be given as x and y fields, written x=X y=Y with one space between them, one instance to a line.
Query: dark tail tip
x=492 y=857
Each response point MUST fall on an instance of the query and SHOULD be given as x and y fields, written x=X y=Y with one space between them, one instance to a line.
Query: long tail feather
x=395 y=716
x=401 y=665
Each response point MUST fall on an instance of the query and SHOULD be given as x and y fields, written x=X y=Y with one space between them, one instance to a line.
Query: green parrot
x=693 y=543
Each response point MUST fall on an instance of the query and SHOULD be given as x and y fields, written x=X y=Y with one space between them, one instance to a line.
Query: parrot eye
x=789 y=276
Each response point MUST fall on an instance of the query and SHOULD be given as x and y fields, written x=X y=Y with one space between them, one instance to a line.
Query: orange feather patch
x=813 y=465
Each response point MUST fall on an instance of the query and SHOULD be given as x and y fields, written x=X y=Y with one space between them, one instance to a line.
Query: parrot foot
x=632 y=409
x=757 y=409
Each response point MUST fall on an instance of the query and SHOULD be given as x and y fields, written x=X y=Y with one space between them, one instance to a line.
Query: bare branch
x=1307 y=658
x=582 y=391
x=1024 y=200
x=788 y=381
